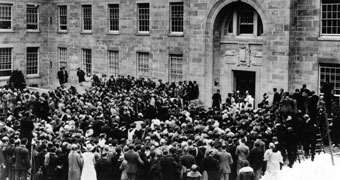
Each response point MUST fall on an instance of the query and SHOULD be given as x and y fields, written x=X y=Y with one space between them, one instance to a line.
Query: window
x=62 y=57
x=246 y=22
x=330 y=17
x=143 y=18
x=143 y=64
x=5 y=16
x=5 y=61
x=32 y=17
x=62 y=18
x=113 y=62
x=114 y=17
x=176 y=17
x=32 y=60
x=87 y=61
x=176 y=68
x=242 y=20
x=330 y=73
x=87 y=17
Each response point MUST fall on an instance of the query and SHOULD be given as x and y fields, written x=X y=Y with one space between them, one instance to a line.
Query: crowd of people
x=128 y=128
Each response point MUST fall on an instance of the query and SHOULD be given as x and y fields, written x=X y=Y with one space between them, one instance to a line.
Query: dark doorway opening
x=245 y=80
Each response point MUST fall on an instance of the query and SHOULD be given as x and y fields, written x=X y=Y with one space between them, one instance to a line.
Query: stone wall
x=290 y=48
x=308 y=47
x=159 y=43
x=19 y=38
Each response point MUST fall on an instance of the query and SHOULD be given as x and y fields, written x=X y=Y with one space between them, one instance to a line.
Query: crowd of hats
x=128 y=111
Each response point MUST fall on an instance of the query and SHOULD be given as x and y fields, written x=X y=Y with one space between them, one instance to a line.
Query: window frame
x=11 y=64
x=171 y=19
x=331 y=35
x=330 y=66
x=235 y=16
x=84 y=64
x=146 y=20
x=38 y=58
x=138 y=73
x=83 y=18
x=37 y=6
x=11 y=15
x=171 y=69
x=59 y=18
x=112 y=6
x=116 y=62
x=60 y=59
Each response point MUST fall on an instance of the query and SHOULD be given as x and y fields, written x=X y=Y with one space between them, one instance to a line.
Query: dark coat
x=81 y=76
x=169 y=168
x=143 y=170
x=104 y=168
x=187 y=161
x=256 y=158
x=63 y=77
x=210 y=164
x=51 y=169
x=115 y=164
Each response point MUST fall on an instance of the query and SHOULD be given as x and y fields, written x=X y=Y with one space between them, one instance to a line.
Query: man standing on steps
x=81 y=76
x=216 y=100
x=62 y=76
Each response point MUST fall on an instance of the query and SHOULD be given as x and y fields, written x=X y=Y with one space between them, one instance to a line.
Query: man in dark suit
x=256 y=160
x=169 y=167
x=210 y=164
x=81 y=76
x=276 y=98
x=62 y=76
x=22 y=161
x=133 y=159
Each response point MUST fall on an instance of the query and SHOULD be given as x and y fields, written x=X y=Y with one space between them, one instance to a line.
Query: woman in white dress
x=273 y=158
x=88 y=172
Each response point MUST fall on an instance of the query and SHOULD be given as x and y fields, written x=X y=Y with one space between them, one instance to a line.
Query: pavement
x=80 y=89
x=319 y=169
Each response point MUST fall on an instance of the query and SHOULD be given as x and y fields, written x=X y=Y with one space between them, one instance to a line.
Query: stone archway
x=209 y=39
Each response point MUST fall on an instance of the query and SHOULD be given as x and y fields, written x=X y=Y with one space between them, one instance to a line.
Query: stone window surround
x=11 y=64
x=146 y=21
x=109 y=5
x=67 y=15
x=331 y=35
x=84 y=57
x=334 y=74
x=11 y=14
x=113 y=62
x=176 y=60
x=235 y=21
x=38 y=59
x=147 y=64
x=83 y=30
x=171 y=32
x=38 y=17
x=62 y=57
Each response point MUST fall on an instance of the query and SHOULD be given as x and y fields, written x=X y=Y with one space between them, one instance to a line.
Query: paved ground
x=79 y=88
x=320 y=169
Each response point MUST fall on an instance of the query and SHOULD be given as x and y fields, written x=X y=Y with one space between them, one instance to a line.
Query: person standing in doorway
x=81 y=76
x=62 y=76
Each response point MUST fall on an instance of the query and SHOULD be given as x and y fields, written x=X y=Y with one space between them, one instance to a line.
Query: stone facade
x=286 y=55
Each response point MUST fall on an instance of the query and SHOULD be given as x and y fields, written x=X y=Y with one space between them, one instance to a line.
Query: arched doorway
x=237 y=41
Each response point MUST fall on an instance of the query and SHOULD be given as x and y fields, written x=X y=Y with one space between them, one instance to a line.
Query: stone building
x=253 y=45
